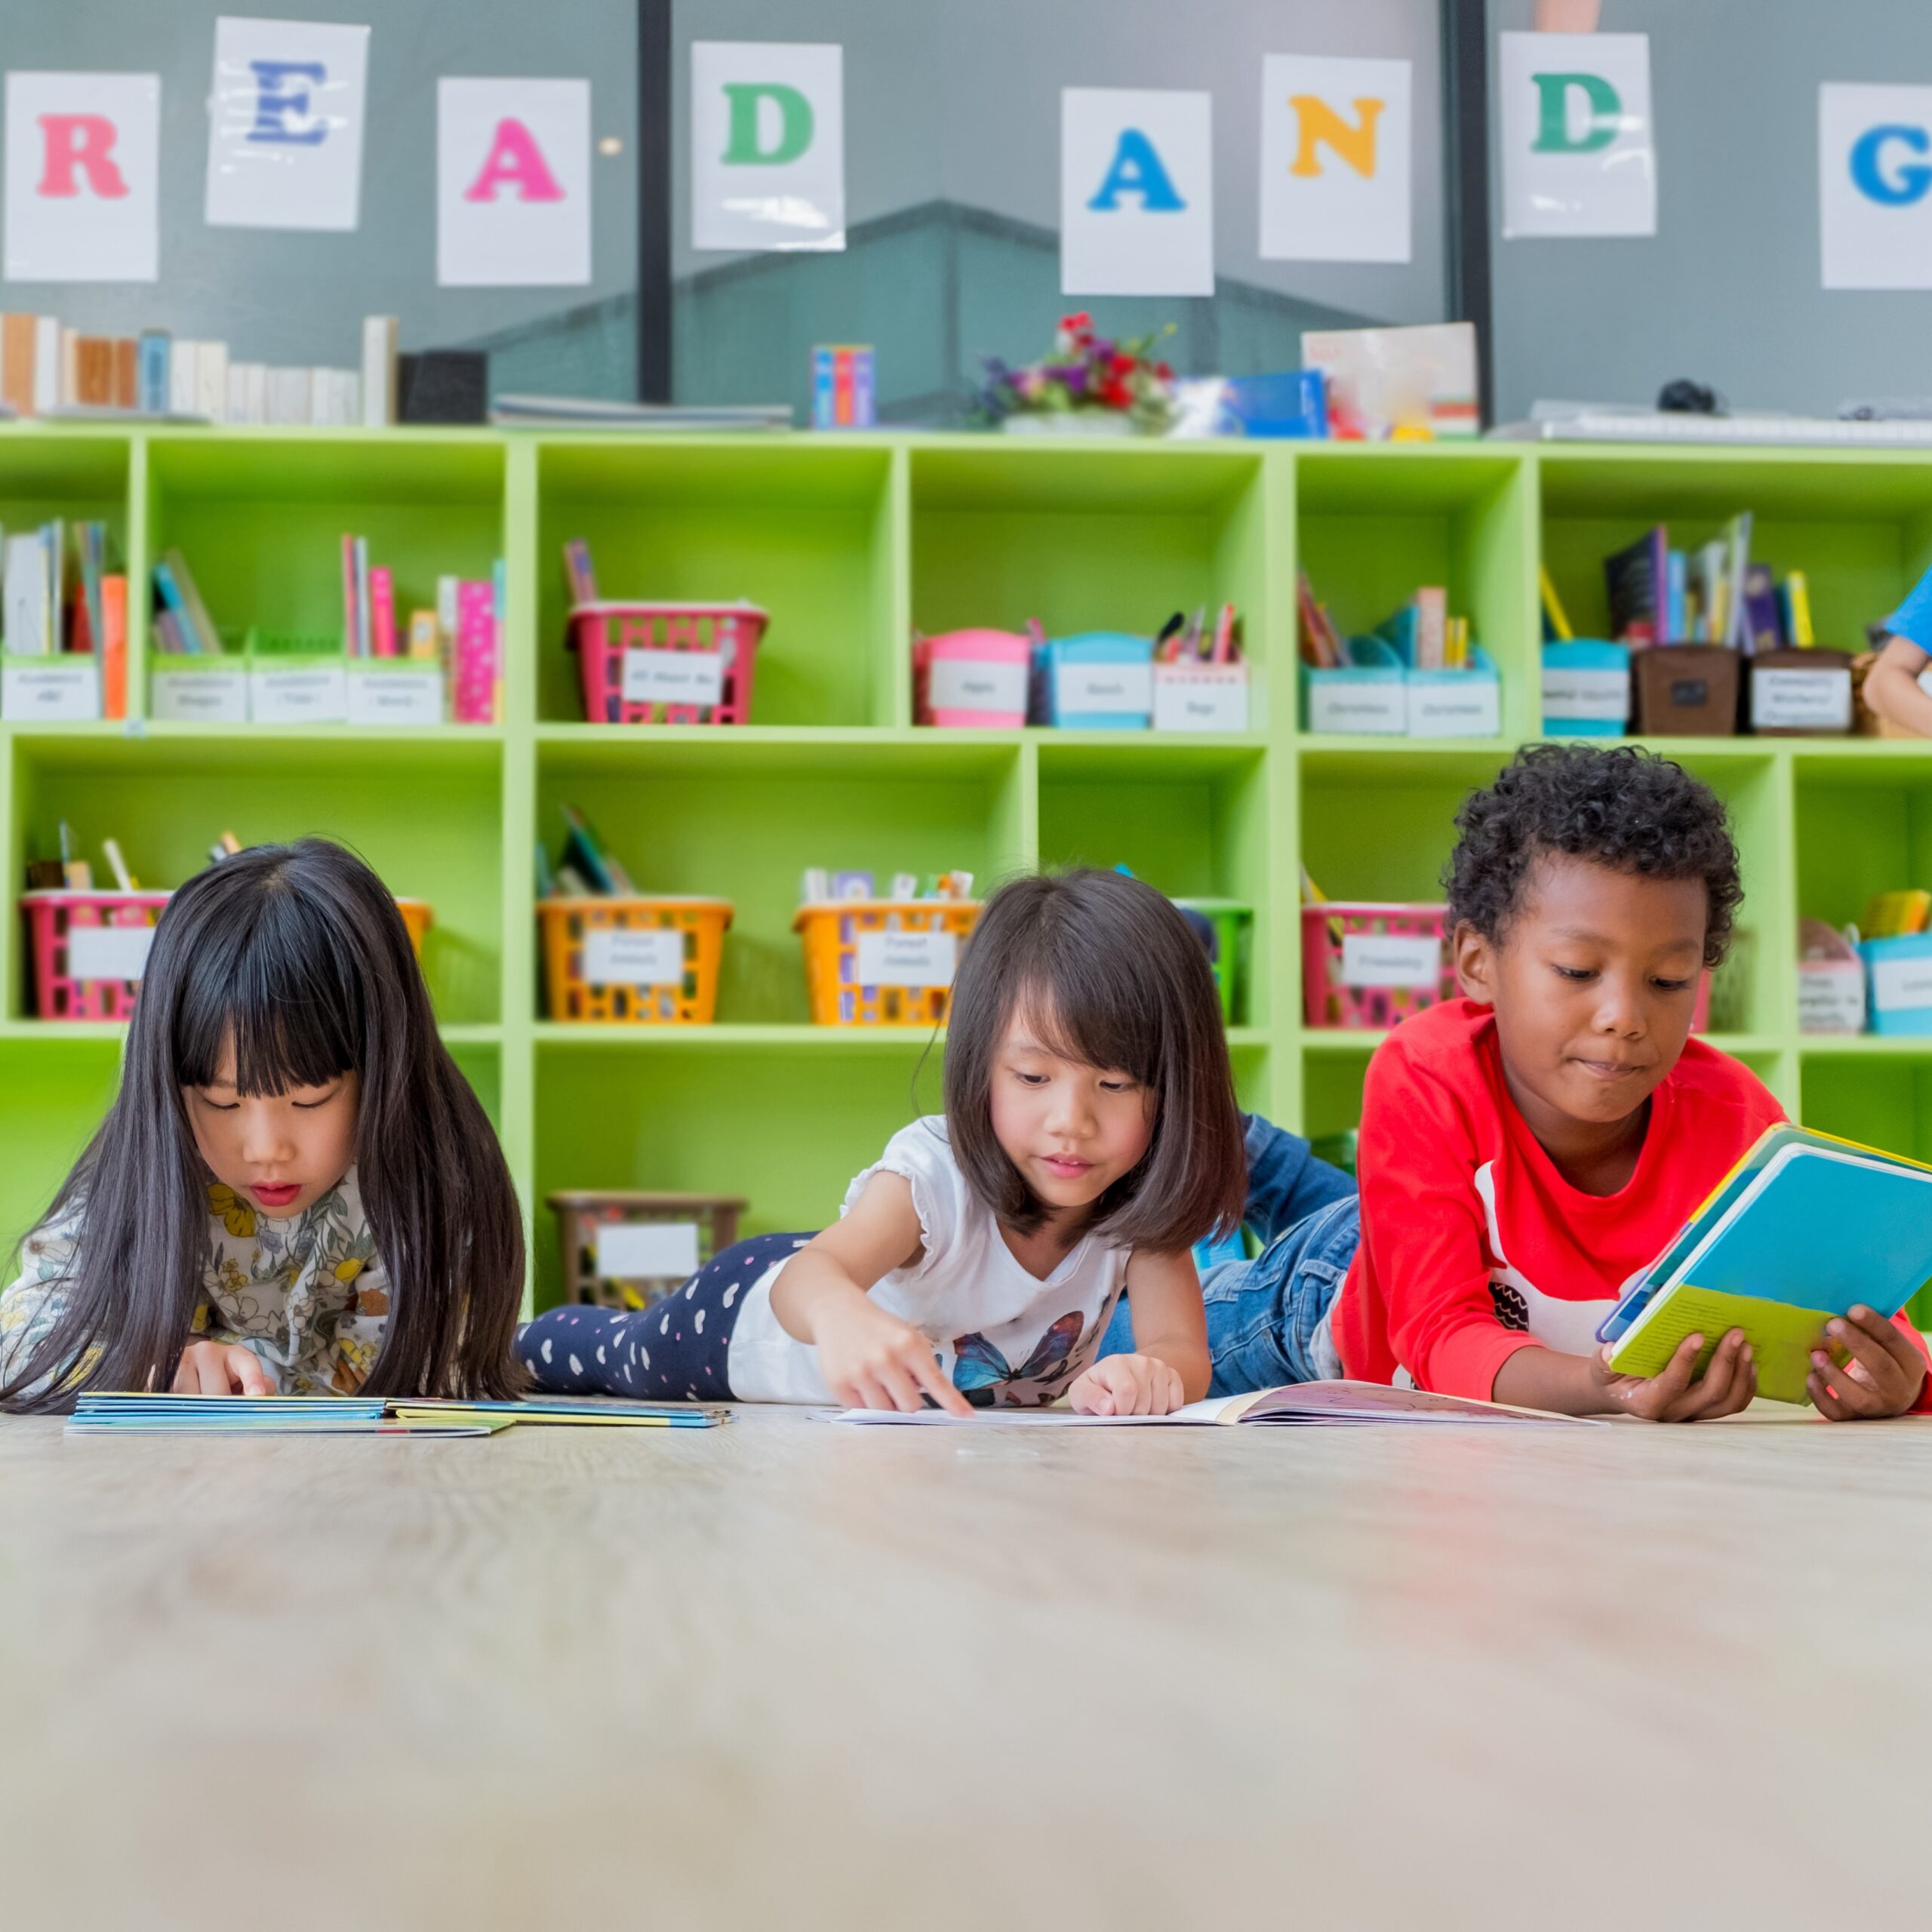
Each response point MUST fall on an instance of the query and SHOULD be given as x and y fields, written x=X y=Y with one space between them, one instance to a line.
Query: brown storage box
x=1688 y=690
x=1800 y=693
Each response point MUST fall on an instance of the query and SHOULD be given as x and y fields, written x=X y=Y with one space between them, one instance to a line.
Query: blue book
x=1676 y=625
x=1803 y=1229
x=151 y=372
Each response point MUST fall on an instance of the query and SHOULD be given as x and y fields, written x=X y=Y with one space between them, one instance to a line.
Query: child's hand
x=872 y=1360
x=1726 y=1386
x=1883 y=1377
x=221 y=1368
x=1128 y=1385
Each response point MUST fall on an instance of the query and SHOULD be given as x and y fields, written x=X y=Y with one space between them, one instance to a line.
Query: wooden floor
x=787 y=1675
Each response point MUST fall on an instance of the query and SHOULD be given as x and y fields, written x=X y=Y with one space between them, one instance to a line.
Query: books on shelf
x=1712 y=595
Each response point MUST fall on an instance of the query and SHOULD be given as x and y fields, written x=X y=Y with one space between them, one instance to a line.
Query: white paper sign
x=767 y=145
x=907 y=959
x=1200 y=697
x=1379 y=708
x=83 y=177
x=199 y=697
x=314 y=697
x=512 y=183
x=1592 y=695
x=394 y=697
x=1874 y=186
x=673 y=676
x=1831 y=999
x=634 y=956
x=1335 y=165
x=1391 y=959
x=1136 y=192
x=1579 y=156
x=67 y=693
x=1461 y=705
x=646 y=1251
x=1801 y=700
x=1901 y=986
x=285 y=124
x=108 y=952
x=1112 y=690
x=969 y=684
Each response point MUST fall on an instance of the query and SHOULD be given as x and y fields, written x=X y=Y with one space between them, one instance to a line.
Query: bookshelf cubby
x=849 y=541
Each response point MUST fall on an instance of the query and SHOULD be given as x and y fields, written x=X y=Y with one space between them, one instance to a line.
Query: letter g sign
x=1909 y=181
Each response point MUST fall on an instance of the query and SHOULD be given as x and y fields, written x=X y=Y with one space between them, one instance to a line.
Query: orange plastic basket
x=908 y=948
x=640 y=961
x=417 y=917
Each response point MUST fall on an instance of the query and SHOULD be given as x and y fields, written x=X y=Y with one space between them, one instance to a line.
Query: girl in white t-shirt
x=1089 y=1139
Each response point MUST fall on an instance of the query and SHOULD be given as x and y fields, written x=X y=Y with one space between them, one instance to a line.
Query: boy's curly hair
x=1630 y=810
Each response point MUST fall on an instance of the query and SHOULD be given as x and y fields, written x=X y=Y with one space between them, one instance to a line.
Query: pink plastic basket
x=666 y=663
x=1365 y=965
x=975 y=679
x=84 y=945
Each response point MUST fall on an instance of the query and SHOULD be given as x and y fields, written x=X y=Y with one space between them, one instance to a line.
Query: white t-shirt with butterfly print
x=1004 y=1336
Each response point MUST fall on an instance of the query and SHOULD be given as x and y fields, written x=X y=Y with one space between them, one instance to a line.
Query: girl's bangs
x=1098 y=1009
x=282 y=989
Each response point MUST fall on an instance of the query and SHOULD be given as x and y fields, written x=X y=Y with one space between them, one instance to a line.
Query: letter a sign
x=1579 y=155
x=767 y=146
x=1335 y=146
x=1137 y=192
x=83 y=177
x=1874 y=186
x=512 y=183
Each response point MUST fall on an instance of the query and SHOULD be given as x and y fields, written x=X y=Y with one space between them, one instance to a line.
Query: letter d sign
x=767 y=146
x=1579 y=156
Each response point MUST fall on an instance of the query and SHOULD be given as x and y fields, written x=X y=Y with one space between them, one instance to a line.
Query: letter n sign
x=1335 y=159
x=1579 y=153
x=767 y=146
x=1874 y=186
x=83 y=154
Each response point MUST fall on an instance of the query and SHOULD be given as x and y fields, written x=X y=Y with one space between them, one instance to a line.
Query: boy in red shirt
x=1528 y=1149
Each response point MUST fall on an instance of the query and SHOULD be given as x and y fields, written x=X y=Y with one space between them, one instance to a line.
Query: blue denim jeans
x=1263 y=1314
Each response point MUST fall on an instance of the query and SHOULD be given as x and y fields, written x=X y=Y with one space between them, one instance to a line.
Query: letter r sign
x=82 y=165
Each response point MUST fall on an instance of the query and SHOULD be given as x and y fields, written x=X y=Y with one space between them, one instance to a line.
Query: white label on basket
x=646 y=1251
x=969 y=684
x=1460 y=706
x=200 y=697
x=313 y=697
x=395 y=697
x=627 y=956
x=907 y=959
x=1113 y=690
x=56 y=693
x=1391 y=959
x=108 y=952
x=1901 y=986
x=1831 y=999
x=1190 y=700
x=673 y=676
x=1569 y=692
x=1379 y=709
x=1805 y=700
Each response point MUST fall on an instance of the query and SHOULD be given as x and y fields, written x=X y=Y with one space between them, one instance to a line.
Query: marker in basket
x=78 y=873
x=815 y=887
x=904 y=885
x=123 y=877
x=852 y=885
x=576 y=567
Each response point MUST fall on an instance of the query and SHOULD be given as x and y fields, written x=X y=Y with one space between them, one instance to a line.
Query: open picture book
x=1297 y=1402
x=1805 y=1227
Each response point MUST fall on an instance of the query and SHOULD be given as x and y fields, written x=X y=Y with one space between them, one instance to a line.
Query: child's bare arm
x=869 y=1357
x=1584 y=1385
x=1892 y=688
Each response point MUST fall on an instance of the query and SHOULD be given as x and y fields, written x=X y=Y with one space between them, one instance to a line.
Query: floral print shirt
x=306 y=1294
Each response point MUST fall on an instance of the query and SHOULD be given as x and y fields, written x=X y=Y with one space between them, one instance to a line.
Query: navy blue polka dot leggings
x=678 y=1349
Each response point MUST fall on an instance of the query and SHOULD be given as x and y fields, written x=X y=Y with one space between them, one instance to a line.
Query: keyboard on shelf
x=1668 y=426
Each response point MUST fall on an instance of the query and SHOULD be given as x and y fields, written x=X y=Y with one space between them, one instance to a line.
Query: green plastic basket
x=1232 y=921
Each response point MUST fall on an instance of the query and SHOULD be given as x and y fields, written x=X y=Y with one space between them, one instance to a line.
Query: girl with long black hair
x=295 y=1191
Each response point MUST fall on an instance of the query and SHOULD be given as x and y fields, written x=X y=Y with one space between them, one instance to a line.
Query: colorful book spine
x=423 y=643
x=475 y=630
x=382 y=611
x=500 y=613
x=351 y=613
x=114 y=645
x=1796 y=595
x=152 y=390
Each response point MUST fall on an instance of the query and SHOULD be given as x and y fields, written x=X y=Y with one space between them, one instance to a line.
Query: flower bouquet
x=1087 y=384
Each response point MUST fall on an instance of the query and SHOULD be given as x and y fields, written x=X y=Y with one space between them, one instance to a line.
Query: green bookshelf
x=849 y=542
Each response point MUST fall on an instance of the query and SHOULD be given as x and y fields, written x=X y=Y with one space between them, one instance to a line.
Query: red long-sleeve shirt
x=1473 y=1245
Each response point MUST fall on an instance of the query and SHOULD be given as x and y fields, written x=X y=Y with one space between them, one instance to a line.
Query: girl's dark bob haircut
x=1104 y=971
x=298 y=955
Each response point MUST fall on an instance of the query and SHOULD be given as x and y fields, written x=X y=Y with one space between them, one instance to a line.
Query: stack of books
x=1712 y=595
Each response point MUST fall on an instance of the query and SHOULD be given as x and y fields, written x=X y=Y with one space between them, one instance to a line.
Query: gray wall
x=1728 y=289
x=282 y=297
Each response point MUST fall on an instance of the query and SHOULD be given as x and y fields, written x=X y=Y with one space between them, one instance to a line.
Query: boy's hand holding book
x=1678 y=1393
x=1881 y=1376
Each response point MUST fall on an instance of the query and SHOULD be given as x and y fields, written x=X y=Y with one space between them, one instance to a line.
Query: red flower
x=1123 y=365
x=1117 y=395
x=1165 y=371
x=1076 y=324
